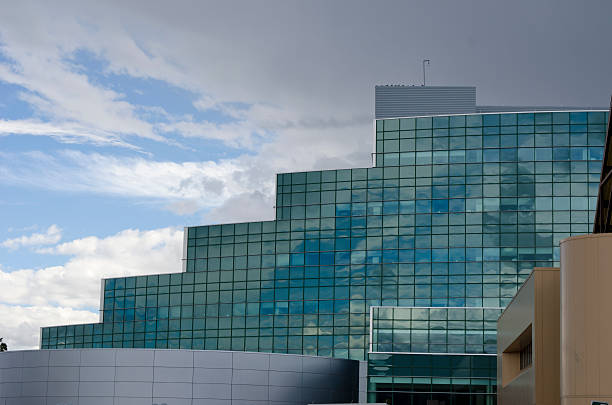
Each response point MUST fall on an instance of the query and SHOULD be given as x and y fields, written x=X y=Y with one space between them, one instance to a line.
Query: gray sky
x=329 y=54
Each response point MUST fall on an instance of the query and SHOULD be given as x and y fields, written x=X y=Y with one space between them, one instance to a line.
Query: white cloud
x=23 y=228
x=287 y=122
x=80 y=108
x=29 y=297
x=189 y=187
x=206 y=102
x=249 y=206
x=240 y=134
x=65 y=132
x=76 y=283
x=183 y=187
x=51 y=236
x=58 y=90
x=20 y=325
x=294 y=61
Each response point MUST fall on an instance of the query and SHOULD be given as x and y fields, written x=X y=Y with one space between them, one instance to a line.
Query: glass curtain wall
x=456 y=213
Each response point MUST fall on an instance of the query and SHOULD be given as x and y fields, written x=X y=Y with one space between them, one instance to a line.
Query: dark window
x=526 y=355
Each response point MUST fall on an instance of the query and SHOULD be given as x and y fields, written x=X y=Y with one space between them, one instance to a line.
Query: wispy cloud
x=200 y=184
x=80 y=103
x=64 y=132
x=239 y=134
x=61 y=95
x=51 y=236
x=190 y=186
x=187 y=187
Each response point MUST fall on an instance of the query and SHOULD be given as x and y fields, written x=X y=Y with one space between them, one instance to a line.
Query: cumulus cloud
x=52 y=235
x=20 y=325
x=76 y=283
x=30 y=296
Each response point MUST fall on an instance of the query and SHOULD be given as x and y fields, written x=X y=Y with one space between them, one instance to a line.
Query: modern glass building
x=406 y=264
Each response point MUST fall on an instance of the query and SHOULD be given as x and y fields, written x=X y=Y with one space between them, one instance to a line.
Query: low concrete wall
x=173 y=377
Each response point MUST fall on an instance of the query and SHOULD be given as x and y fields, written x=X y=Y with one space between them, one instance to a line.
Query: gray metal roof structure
x=411 y=101
x=395 y=101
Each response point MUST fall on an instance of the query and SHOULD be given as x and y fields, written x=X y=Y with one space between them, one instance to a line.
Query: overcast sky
x=122 y=122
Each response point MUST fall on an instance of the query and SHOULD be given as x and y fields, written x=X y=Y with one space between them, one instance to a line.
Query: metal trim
x=437 y=354
x=491 y=113
x=399 y=306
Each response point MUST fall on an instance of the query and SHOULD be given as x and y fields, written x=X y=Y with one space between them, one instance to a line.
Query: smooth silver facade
x=399 y=101
x=411 y=101
x=173 y=377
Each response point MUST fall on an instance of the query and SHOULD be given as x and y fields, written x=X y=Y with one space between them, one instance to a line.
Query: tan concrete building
x=528 y=342
x=586 y=319
x=555 y=337
x=554 y=340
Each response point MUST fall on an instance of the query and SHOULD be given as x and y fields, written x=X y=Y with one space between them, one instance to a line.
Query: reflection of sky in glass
x=456 y=213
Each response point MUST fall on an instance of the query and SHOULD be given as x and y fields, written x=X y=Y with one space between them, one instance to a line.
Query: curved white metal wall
x=173 y=377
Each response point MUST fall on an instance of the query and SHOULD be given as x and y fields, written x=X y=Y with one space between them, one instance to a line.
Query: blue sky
x=35 y=207
x=122 y=123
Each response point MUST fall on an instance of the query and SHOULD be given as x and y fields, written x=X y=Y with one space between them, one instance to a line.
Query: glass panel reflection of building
x=456 y=212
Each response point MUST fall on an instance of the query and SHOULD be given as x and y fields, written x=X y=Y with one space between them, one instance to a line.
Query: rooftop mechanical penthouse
x=406 y=264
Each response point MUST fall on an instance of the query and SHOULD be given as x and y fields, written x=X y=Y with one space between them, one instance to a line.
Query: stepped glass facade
x=406 y=265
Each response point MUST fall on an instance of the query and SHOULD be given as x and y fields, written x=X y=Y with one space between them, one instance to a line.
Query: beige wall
x=533 y=314
x=586 y=319
x=570 y=313
x=514 y=387
x=546 y=339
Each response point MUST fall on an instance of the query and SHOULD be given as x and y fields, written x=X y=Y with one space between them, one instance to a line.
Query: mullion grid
x=394 y=282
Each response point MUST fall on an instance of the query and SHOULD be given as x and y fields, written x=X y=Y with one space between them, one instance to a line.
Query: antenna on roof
x=424 y=62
